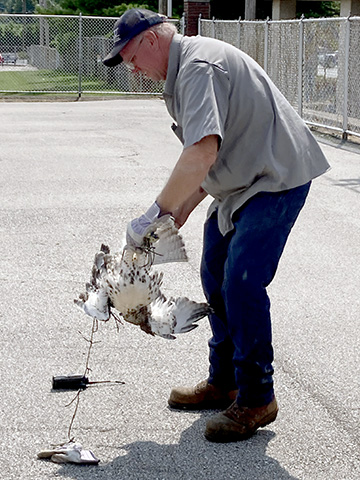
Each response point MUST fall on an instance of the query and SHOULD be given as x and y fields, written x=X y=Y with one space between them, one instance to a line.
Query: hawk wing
x=95 y=301
x=175 y=315
x=166 y=242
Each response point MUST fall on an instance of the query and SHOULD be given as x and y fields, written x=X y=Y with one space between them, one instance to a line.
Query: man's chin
x=151 y=77
x=155 y=77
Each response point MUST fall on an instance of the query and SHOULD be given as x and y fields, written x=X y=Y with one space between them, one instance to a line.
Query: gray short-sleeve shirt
x=213 y=88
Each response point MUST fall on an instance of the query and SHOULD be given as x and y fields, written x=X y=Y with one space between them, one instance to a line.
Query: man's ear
x=152 y=38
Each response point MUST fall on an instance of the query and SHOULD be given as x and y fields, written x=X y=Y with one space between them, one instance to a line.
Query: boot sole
x=200 y=406
x=229 y=436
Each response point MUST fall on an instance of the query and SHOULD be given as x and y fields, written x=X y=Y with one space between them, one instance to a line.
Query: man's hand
x=138 y=228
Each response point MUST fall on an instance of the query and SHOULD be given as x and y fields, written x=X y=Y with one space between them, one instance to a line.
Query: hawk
x=125 y=284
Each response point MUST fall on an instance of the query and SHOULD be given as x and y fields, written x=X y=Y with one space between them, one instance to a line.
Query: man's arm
x=181 y=213
x=183 y=189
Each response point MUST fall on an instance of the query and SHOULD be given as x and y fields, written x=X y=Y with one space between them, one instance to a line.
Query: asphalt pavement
x=72 y=175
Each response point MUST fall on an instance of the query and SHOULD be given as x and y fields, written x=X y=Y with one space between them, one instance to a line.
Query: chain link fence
x=314 y=62
x=63 y=54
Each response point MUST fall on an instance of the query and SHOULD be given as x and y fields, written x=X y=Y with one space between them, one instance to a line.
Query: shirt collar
x=173 y=65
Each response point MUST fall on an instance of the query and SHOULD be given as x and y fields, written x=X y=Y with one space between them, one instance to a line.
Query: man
x=246 y=147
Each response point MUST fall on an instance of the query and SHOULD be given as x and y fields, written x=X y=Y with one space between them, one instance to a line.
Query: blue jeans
x=235 y=271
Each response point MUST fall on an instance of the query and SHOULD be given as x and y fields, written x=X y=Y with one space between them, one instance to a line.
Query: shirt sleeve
x=203 y=100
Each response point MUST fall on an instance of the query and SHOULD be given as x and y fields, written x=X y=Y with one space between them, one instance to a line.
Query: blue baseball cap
x=130 y=24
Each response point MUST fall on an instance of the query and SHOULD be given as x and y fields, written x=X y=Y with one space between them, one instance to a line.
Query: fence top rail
x=297 y=20
x=37 y=15
x=203 y=20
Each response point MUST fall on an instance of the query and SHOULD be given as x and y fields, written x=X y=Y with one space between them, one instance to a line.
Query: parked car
x=9 y=58
x=1 y=59
x=328 y=59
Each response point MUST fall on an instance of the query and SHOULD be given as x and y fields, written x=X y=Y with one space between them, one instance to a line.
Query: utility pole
x=44 y=27
x=165 y=7
x=250 y=9
x=162 y=7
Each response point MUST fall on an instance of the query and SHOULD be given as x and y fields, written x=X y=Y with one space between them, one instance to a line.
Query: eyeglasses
x=130 y=63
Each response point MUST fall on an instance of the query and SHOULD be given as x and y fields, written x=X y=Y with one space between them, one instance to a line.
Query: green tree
x=110 y=8
x=69 y=7
x=117 y=10
x=11 y=33
x=17 y=6
x=220 y=9
x=318 y=9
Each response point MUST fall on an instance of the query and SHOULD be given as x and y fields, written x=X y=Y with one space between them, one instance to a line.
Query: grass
x=47 y=81
x=6 y=97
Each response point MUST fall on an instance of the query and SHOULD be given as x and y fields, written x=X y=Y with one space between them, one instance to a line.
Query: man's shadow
x=350 y=183
x=193 y=458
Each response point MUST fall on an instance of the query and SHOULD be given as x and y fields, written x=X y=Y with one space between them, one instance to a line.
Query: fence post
x=300 y=66
x=183 y=24
x=239 y=33
x=346 y=77
x=213 y=27
x=169 y=8
x=80 y=53
x=266 y=45
x=199 y=24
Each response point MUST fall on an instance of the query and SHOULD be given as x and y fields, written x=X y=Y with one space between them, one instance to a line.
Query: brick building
x=192 y=10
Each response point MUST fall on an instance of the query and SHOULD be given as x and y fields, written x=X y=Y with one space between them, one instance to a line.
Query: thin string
x=76 y=399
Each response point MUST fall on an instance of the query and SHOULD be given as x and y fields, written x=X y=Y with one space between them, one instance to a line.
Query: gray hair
x=164 y=29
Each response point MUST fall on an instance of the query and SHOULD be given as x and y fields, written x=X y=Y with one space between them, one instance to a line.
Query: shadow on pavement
x=193 y=458
x=351 y=183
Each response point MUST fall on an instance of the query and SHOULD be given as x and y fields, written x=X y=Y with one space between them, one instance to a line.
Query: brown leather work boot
x=239 y=423
x=201 y=397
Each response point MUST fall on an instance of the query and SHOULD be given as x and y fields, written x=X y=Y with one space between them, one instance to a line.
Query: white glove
x=69 y=453
x=138 y=228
